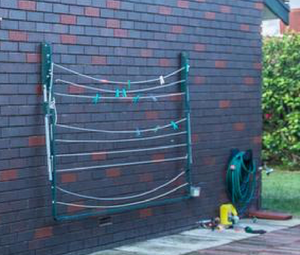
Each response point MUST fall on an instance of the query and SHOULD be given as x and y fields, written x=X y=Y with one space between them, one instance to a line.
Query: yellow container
x=227 y=213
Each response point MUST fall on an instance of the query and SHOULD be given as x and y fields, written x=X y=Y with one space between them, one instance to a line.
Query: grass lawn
x=281 y=191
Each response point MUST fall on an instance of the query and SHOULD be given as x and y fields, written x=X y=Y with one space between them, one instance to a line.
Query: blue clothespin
x=96 y=99
x=138 y=132
x=154 y=98
x=129 y=84
x=174 y=125
x=156 y=129
x=124 y=93
x=117 y=93
x=136 y=99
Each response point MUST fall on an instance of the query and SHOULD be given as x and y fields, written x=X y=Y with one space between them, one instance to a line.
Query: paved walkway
x=207 y=242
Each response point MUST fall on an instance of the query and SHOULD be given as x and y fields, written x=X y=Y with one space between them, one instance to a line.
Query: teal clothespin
x=96 y=99
x=136 y=99
x=124 y=93
x=156 y=129
x=174 y=125
x=138 y=132
x=129 y=84
x=187 y=67
x=117 y=93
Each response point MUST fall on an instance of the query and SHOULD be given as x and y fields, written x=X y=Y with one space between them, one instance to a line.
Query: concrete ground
x=193 y=241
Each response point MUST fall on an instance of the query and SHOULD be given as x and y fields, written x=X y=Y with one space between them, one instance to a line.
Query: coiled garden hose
x=241 y=180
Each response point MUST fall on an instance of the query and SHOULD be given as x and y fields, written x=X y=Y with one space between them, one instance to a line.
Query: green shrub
x=281 y=99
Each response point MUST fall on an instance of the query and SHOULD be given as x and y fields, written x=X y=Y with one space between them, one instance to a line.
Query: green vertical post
x=47 y=82
x=185 y=89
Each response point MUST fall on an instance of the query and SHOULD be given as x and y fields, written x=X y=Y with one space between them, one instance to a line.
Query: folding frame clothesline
x=51 y=125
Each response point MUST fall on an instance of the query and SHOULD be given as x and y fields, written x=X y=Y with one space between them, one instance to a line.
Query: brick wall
x=122 y=40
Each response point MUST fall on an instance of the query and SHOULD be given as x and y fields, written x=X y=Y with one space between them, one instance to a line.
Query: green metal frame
x=46 y=78
x=279 y=8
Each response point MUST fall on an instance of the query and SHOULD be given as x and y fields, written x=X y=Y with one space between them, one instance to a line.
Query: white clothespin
x=187 y=67
x=161 y=79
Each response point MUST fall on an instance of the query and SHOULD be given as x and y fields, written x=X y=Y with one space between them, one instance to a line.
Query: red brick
x=225 y=9
x=27 y=5
x=147 y=177
x=183 y=4
x=74 y=209
x=144 y=213
x=75 y=90
x=113 y=172
x=209 y=161
x=101 y=156
x=33 y=58
x=199 y=79
x=92 y=11
x=68 y=39
x=158 y=156
x=257 y=66
x=177 y=29
x=99 y=60
x=244 y=27
x=259 y=6
x=240 y=126
x=224 y=104
x=176 y=98
x=8 y=175
x=68 y=177
x=199 y=47
x=164 y=62
x=18 y=36
x=209 y=15
x=220 y=64
x=249 y=80
x=39 y=89
x=165 y=10
x=113 y=23
x=43 y=232
x=151 y=115
x=195 y=138
x=146 y=53
x=36 y=141
x=257 y=140
x=68 y=19
x=112 y=4
x=120 y=32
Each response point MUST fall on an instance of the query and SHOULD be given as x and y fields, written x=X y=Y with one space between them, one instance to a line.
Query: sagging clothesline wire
x=120 y=140
x=122 y=151
x=114 y=91
x=119 y=82
x=122 y=198
x=155 y=129
x=152 y=97
x=122 y=164
x=124 y=205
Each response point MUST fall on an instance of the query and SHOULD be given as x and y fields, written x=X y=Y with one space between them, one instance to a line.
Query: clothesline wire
x=120 y=98
x=125 y=197
x=127 y=204
x=117 y=82
x=122 y=164
x=120 y=131
x=120 y=140
x=114 y=91
x=121 y=151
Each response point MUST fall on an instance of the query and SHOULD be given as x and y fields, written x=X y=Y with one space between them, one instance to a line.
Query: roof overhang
x=277 y=9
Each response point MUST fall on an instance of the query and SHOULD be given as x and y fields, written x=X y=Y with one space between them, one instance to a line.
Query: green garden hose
x=241 y=180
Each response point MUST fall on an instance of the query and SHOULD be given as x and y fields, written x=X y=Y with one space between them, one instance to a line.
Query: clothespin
x=138 y=132
x=136 y=99
x=161 y=80
x=128 y=84
x=174 y=125
x=154 y=98
x=124 y=93
x=117 y=93
x=156 y=129
x=188 y=67
x=96 y=99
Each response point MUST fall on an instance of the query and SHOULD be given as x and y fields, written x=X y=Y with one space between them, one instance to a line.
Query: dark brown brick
x=113 y=172
x=68 y=177
x=43 y=232
x=35 y=141
x=145 y=213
